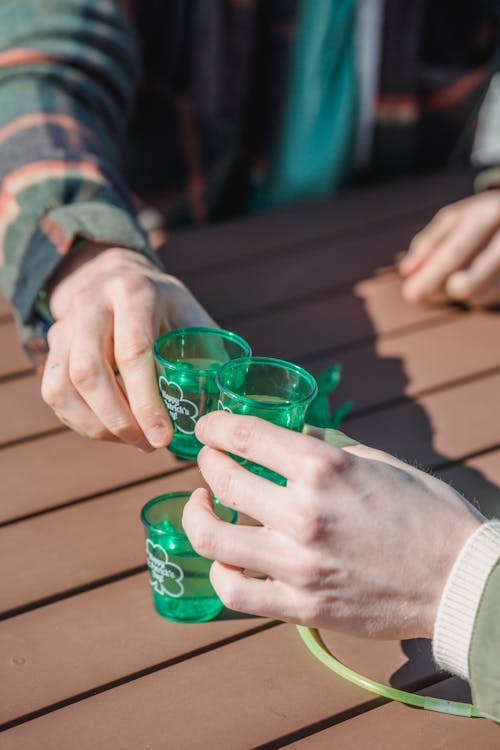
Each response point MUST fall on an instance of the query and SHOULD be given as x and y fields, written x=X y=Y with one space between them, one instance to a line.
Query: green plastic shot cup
x=271 y=389
x=187 y=360
x=179 y=577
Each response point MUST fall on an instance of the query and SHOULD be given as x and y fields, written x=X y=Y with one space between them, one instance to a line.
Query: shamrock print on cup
x=165 y=577
x=182 y=411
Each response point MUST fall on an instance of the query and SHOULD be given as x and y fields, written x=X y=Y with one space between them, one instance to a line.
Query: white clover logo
x=183 y=412
x=165 y=577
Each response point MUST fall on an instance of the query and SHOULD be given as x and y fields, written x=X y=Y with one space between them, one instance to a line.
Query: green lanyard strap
x=317 y=647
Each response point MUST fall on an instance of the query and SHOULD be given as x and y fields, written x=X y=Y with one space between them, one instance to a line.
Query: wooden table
x=85 y=661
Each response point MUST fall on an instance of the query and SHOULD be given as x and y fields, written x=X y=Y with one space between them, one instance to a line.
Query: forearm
x=67 y=79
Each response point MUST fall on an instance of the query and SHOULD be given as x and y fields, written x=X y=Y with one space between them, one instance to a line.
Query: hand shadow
x=305 y=305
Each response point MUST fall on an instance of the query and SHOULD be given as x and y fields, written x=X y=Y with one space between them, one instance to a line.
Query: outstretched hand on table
x=357 y=541
x=110 y=304
x=457 y=254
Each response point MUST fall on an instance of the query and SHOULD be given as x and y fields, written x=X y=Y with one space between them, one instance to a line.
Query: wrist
x=445 y=563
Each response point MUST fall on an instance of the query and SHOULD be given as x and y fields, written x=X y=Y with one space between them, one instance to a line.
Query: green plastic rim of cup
x=175 y=533
x=310 y=387
x=216 y=333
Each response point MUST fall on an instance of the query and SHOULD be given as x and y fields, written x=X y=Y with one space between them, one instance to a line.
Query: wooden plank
x=298 y=332
x=241 y=288
x=443 y=426
x=403 y=366
x=80 y=544
x=306 y=329
x=405 y=429
x=64 y=467
x=238 y=696
x=13 y=359
x=398 y=366
x=23 y=411
x=320 y=326
x=54 y=463
x=45 y=653
x=193 y=250
x=399 y=726
x=55 y=668
x=381 y=293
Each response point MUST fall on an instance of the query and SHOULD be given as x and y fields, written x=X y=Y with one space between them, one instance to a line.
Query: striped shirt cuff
x=461 y=598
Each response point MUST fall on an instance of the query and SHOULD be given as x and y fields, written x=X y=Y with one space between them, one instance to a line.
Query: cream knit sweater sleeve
x=461 y=599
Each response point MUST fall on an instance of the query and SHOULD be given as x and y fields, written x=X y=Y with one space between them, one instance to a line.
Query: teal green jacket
x=484 y=654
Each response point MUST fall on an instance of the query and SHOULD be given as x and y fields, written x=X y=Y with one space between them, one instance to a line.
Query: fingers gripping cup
x=179 y=577
x=271 y=389
x=186 y=362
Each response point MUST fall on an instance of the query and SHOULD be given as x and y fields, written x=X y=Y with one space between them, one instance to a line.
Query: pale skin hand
x=110 y=304
x=457 y=254
x=357 y=541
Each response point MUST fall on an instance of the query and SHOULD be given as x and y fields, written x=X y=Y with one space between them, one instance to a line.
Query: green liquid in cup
x=178 y=576
x=261 y=471
x=187 y=360
x=189 y=598
x=271 y=389
x=184 y=413
x=198 y=363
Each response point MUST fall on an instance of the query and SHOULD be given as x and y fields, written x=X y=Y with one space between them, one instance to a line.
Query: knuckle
x=51 y=393
x=124 y=429
x=202 y=542
x=82 y=301
x=95 y=432
x=131 y=284
x=242 y=435
x=223 y=485
x=446 y=212
x=84 y=373
x=113 y=260
x=54 y=332
x=134 y=349
x=229 y=595
x=321 y=467
x=311 y=524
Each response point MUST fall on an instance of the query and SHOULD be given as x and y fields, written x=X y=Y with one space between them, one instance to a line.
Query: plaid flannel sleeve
x=68 y=73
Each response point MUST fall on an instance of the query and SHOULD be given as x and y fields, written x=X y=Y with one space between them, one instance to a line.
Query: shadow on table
x=475 y=485
x=324 y=323
x=230 y=614
x=420 y=661
x=408 y=433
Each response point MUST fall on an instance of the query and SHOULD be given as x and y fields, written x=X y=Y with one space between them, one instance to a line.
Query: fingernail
x=158 y=436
